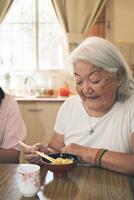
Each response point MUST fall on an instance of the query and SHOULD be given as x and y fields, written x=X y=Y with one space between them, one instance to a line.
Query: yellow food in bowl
x=62 y=161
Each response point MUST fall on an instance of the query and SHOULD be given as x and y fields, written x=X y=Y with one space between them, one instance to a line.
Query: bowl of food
x=64 y=162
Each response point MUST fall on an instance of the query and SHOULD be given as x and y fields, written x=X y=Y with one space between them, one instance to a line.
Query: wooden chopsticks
x=39 y=153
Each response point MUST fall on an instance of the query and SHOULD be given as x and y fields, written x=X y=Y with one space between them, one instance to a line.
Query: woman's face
x=96 y=87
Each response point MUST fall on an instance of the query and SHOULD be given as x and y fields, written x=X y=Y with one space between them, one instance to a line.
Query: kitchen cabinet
x=39 y=118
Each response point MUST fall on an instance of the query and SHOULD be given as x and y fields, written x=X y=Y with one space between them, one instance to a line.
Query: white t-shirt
x=113 y=132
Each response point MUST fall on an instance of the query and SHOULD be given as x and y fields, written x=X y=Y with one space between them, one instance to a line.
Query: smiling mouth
x=92 y=97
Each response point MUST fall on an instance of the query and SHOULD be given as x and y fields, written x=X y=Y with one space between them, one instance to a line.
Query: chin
x=92 y=104
x=94 y=107
x=93 y=101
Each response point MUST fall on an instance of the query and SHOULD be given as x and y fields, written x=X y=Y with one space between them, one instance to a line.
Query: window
x=31 y=37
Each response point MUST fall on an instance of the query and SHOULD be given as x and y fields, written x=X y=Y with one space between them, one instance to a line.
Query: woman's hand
x=30 y=153
x=77 y=150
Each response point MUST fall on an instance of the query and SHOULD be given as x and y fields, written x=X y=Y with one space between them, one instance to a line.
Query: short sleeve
x=130 y=113
x=132 y=122
x=60 y=119
x=14 y=128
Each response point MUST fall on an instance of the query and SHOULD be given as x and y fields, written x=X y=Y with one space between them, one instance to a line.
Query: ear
x=120 y=74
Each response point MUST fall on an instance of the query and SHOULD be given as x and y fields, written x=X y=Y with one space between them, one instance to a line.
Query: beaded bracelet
x=97 y=153
x=99 y=156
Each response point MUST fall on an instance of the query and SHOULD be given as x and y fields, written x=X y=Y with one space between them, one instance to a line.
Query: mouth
x=92 y=97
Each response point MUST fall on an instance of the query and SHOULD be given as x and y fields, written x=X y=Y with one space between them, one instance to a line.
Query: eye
x=95 y=81
x=78 y=82
x=95 y=77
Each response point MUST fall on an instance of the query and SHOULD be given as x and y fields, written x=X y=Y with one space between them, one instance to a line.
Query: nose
x=86 y=87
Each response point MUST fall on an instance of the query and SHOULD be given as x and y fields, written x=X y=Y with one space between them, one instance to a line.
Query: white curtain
x=4 y=6
x=77 y=17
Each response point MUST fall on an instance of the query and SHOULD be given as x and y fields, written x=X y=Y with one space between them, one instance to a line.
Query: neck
x=96 y=113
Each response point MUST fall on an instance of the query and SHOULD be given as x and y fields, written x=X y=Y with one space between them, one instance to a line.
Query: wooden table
x=83 y=183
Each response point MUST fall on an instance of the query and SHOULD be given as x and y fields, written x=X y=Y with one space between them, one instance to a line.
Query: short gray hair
x=106 y=55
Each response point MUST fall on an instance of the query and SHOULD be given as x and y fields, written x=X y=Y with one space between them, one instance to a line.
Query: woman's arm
x=120 y=162
x=9 y=156
x=54 y=146
x=56 y=142
x=116 y=161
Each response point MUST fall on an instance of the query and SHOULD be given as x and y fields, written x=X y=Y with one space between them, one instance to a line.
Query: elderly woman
x=12 y=129
x=97 y=124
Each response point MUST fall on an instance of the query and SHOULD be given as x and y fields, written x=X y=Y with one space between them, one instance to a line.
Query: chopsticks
x=39 y=153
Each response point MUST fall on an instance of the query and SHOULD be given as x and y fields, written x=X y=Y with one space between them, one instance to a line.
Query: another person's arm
x=9 y=156
x=12 y=130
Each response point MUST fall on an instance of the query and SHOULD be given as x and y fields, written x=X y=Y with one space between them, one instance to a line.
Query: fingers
x=73 y=149
x=30 y=153
x=69 y=148
x=41 y=148
x=32 y=158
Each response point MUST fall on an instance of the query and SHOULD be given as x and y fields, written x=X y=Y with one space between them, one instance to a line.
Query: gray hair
x=104 y=54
